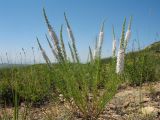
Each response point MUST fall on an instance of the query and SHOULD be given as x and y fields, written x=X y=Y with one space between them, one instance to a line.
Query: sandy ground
x=130 y=103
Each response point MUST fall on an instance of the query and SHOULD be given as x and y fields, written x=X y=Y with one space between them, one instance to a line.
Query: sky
x=21 y=21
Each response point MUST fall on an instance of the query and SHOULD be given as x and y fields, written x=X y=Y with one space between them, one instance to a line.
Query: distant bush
x=140 y=67
x=31 y=83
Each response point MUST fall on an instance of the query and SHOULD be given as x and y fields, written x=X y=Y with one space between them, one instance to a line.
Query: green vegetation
x=143 y=65
x=83 y=83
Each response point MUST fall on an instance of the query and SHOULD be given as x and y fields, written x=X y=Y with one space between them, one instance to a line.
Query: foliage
x=88 y=87
x=141 y=67
x=31 y=83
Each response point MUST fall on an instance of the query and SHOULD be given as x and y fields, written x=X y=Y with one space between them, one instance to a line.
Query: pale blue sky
x=22 y=20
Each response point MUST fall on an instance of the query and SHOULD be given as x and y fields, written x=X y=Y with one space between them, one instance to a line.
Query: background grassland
x=37 y=84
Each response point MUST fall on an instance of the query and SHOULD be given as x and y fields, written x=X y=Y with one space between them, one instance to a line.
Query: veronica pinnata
x=72 y=41
x=120 y=56
x=54 y=38
x=90 y=54
x=95 y=49
x=128 y=34
x=100 y=41
x=52 y=49
x=113 y=44
x=44 y=54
